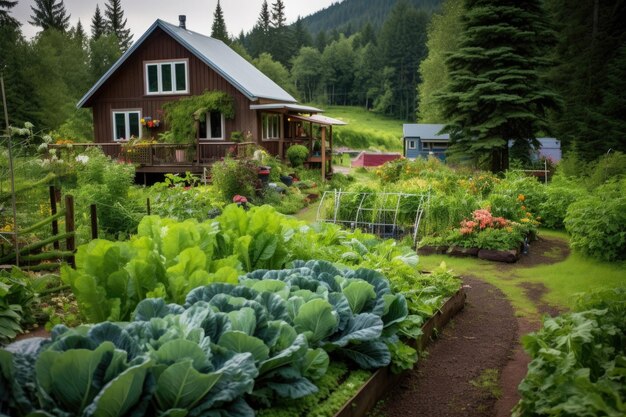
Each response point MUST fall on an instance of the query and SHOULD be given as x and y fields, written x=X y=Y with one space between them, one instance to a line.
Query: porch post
x=281 y=139
x=323 y=152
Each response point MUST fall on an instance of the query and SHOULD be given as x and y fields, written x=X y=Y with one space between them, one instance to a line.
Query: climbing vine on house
x=181 y=115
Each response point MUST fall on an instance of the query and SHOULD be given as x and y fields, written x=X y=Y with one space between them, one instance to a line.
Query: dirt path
x=474 y=367
x=459 y=377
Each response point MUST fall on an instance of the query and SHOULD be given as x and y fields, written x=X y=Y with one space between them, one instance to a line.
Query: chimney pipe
x=181 y=21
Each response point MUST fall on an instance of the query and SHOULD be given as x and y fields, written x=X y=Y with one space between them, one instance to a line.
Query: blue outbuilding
x=424 y=140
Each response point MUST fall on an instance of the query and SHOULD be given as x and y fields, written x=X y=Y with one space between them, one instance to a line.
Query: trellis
x=385 y=214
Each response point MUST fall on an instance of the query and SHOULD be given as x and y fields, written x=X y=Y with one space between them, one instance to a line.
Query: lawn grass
x=564 y=280
x=365 y=129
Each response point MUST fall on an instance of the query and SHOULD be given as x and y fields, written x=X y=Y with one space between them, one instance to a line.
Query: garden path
x=475 y=365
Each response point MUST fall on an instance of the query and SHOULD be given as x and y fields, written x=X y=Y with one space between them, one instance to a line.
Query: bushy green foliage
x=231 y=177
x=578 y=365
x=597 y=223
x=559 y=196
x=297 y=154
x=607 y=167
x=181 y=115
x=17 y=303
x=107 y=184
x=178 y=199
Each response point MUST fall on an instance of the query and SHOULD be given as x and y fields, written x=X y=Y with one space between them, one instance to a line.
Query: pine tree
x=495 y=93
x=589 y=37
x=218 y=29
x=98 y=26
x=301 y=35
x=116 y=24
x=402 y=43
x=264 y=18
x=79 y=33
x=50 y=14
x=5 y=18
x=278 y=14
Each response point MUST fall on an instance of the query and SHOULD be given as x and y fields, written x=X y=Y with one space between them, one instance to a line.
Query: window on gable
x=271 y=126
x=166 y=77
x=411 y=144
x=126 y=124
x=212 y=126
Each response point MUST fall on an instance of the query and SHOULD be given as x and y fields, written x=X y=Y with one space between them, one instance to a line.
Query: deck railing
x=155 y=154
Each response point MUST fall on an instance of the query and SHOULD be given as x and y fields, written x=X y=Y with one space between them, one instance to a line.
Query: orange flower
x=521 y=197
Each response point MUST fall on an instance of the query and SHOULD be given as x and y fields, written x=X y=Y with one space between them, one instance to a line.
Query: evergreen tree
x=103 y=52
x=495 y=93
x=301 y=35
x=321 y=41
x=98 y=26
x=5 y=18
x=443 y=39
x=589 y=37
x=116 y=24
x=613 y=106
x=15 y=58
x=283 y=43
x=402 y=43
x=259 y=38
x=278 y=14
x=218 y=29
x=79 y=34
x=264 y=18
x=50 y=14
x=364 y=36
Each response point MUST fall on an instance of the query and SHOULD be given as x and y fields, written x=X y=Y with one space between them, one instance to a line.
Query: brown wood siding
x=126 y=90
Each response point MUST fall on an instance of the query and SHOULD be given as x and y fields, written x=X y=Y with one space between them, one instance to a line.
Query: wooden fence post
x=94 y=221
x=53 y=211
x=69 y=226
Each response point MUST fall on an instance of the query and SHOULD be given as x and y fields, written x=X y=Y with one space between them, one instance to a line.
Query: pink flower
x=239 y=199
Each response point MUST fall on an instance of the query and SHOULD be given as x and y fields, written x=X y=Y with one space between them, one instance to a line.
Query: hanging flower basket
x=150 y=123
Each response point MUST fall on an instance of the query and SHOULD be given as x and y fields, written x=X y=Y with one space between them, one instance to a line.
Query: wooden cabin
x=169 y=63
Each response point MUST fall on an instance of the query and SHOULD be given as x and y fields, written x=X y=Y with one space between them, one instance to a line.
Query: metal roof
x=216 y=54
x=424 y=131
x=319 y=119
x=287 y=106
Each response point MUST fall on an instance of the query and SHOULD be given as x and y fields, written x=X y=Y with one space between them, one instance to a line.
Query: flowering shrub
x=486 y=231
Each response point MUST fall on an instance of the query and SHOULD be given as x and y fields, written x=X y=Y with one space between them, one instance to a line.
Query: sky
x=238 y=14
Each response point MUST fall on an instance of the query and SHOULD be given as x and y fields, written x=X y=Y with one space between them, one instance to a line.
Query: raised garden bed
x=383 y=379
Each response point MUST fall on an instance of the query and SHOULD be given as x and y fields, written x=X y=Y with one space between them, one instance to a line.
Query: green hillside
x=349 y=16
x=365 y=129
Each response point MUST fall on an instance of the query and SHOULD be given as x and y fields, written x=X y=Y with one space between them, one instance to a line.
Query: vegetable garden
x=209 y=308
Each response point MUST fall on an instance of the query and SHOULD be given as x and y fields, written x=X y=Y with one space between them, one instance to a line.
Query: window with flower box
x=126 y=124
x=169 y=77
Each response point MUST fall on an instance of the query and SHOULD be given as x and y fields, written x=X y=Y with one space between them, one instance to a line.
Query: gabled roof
x=214 y=53
x=424 y=131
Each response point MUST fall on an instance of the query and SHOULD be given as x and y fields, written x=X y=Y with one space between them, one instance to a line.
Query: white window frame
x=208 y=126
x=126 y=113
x=159 y=65
x=269 y=129
x=411 y=144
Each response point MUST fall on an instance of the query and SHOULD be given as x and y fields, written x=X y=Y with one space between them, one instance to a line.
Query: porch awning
x=318 y=119
x=286 y=106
